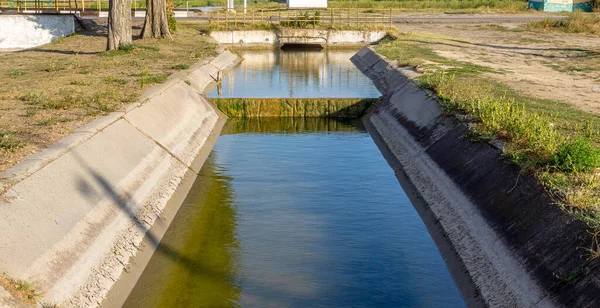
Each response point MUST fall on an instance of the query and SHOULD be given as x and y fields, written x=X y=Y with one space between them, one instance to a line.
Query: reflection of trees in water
x=327 y=68
x=289 y=125
x=204 y=235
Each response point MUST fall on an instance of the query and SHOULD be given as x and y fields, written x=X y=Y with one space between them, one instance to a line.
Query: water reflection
x=289 y=125
x=298 y=73
x=204 y=236
x=315 y=219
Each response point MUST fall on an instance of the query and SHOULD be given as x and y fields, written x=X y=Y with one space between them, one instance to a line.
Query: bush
x=303 y=21
x=577 y=155
x=171 y=17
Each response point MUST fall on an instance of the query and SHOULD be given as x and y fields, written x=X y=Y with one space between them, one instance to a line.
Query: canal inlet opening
x=301 y=47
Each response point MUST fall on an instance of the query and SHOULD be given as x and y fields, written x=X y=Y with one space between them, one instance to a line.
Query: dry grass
x=49 y=91
x=19 y=289
x=499 y=6
x=551 y=140
x=577 y=22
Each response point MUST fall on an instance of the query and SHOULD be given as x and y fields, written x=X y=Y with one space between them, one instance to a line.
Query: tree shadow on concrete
x=121 y=201
x=195 y=267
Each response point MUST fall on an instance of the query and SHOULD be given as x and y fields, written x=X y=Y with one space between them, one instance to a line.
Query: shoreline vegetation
x=551 y=140
x=50 y=91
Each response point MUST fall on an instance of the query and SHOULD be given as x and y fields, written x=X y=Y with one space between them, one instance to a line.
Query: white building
x=306 y=4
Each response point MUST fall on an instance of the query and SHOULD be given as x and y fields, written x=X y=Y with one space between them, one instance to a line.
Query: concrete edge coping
x=411 y=74
x=36 y=161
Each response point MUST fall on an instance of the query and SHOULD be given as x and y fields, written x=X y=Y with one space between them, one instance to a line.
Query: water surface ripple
x=296 y=213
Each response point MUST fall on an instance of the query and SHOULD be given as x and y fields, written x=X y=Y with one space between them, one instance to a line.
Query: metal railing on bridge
x=49 y=6
x=256 y=18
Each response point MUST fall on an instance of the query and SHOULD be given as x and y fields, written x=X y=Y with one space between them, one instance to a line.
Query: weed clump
x=579 y=154
x=16 y=74
x=532 y=138
x=8 y=141
x=19 y=289
x=127 y=49
x=181 y=66
x=171 y=21
x=564 y=161
x=147 y=78
x=115 y=80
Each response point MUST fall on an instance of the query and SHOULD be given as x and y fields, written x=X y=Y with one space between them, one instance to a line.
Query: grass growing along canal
x=49 y=91
x=551 y=140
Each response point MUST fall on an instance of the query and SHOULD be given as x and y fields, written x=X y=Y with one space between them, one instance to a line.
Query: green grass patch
x=146 y=78
x=180 y=66
x=16 y=74
x=580 y=154
x=8 y=141
x=127 y=49
x=115 y=80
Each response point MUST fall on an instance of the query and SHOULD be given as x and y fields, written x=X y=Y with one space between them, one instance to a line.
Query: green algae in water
x=340 y=108
x=304 y=219
x=199 y=253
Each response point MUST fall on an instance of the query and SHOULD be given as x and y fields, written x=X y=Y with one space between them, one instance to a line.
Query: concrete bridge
x=298 y=37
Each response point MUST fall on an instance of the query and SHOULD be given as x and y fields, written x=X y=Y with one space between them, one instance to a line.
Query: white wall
x=296 y=4
x=28 y=31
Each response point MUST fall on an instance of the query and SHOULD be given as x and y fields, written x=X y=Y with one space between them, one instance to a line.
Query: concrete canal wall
x=75 y=213
x=298 y=36
x=506 y=244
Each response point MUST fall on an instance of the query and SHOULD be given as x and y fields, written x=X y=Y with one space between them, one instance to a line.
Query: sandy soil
x=564 y=67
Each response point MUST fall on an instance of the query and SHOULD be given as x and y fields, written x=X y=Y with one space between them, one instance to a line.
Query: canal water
x=312 y=73
x=296 y=213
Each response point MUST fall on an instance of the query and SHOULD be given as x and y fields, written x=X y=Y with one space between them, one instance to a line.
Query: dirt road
x=564 y=67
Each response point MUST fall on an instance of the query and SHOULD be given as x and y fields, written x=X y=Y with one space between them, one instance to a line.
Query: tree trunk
x=119 y=24
x=156 y=24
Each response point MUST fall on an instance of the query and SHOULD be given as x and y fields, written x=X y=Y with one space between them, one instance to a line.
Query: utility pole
x=245 y=3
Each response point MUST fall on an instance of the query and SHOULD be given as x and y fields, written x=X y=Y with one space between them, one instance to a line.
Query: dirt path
x=561 y=67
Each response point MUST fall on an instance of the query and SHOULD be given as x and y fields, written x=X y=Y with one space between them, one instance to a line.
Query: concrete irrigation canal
x=286 y=178
x=295 y=206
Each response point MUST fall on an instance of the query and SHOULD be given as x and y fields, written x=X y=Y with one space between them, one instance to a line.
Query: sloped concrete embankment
x=76 y=212
x=506 y=244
